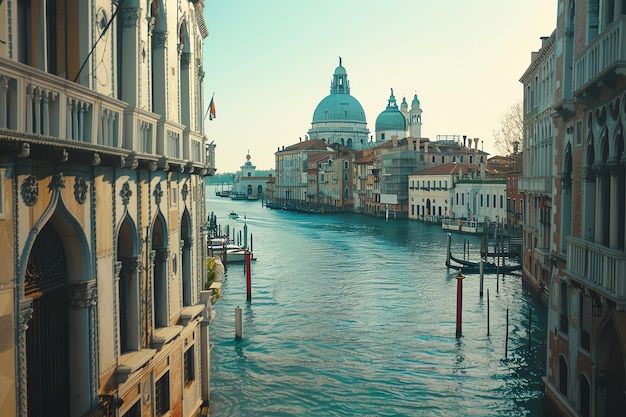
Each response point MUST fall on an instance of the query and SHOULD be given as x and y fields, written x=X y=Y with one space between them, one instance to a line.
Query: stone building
x=102 y=159
x=537 y=181
x=586 y=340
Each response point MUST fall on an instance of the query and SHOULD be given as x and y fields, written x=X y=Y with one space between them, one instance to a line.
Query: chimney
x=394 y=141
x=476 y=143
x=464 y=141
x=544 y=39
x=482 y=170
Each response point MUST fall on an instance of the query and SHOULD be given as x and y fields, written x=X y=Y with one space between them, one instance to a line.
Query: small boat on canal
x=233 y=214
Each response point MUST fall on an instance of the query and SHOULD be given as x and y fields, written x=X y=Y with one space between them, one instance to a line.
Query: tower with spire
x=415 y=118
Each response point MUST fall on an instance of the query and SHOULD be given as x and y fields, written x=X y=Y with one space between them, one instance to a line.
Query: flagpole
x=209 y=107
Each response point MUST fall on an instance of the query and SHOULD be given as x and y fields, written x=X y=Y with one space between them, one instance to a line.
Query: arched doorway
x=128 y=288
x=185 y=236
x=610 y=384
x=47 y=336
x=159 y=272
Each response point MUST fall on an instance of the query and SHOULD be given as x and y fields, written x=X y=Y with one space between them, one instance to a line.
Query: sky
x=268 y=63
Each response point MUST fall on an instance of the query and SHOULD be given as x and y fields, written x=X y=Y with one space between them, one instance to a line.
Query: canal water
x=355 y=316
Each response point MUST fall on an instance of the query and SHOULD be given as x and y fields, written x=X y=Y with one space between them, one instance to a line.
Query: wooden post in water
x=251 y=243
x=448 y=254
x=224 y=255
x=482 y=278
x=459 y=301
x=530 y=325
x=506 y=340
x=248 y=278
x=487 y=311
x=238 y=323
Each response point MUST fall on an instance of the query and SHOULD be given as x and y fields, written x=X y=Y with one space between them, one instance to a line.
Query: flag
x=212 y=109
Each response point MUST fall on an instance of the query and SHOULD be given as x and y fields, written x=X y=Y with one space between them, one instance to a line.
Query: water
x=352 y=316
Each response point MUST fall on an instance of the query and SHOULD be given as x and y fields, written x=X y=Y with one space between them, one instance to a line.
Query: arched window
x=562 y=382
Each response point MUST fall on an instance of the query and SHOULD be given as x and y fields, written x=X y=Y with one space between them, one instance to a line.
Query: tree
x=508 y=138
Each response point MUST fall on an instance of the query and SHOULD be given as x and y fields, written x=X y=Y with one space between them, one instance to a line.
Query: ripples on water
x=352 y=316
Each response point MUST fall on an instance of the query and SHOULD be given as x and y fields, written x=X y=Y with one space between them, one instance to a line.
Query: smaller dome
x=391 y=118
x=404 y=104
x=340 y=70
x=415 y=101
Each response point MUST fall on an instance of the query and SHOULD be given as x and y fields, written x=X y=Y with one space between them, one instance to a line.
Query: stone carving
x=80 y=189
x=82 y=294
x=57 y=182
x=158 y=193
x=30 y=191
x=126 y=193
x=184 y=192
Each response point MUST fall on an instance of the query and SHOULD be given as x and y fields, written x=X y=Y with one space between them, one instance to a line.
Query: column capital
x=82 y=294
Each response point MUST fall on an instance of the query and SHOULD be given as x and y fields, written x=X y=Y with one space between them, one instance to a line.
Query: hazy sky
x=270 y=62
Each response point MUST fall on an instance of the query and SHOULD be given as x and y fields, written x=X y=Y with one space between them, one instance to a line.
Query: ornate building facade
x=102 y=160
x=586 y=341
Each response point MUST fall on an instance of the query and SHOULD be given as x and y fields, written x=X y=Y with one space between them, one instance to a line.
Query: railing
x=597 y=267
x=606 y=50
x=542 y=185
x=41 y=104
x=45 y=107
x=542 y=256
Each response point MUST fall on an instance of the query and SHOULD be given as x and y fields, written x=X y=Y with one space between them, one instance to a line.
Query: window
x=162 y=395
x=579 y=132
x=345 y=164
x=382 y=136
x=487 y=201
x=189 y=366
x=481 y=200
x=501 y=201
x=345 y=176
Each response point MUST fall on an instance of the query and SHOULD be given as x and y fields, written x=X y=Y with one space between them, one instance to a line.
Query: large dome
x=339 y=107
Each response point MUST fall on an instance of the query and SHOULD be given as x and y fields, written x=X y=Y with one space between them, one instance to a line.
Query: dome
x=415 y=101
x=339 y=107
x=391 y=118
x=404 y=105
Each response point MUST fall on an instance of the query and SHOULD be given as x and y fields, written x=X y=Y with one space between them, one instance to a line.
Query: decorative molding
x=30 y=191
x=126 y=193
x=25 y=314
x=184 y=192
x=57 y=182
x=82 y=294
x=159 y=39
x=130 y=17
x=158 y=193
x=80 y=189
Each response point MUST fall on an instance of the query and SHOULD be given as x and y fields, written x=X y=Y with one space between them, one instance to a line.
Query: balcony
x=542 y=256
x=536 y=185
x=598 y=267
x=603 y=59
x=43 y=111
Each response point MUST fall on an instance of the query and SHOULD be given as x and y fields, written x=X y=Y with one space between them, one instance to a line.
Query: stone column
x=24 y=315
x=129 y=21
x=614 y=206
x=82 y=297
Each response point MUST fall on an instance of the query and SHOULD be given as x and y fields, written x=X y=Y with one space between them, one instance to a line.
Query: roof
x=307 y=145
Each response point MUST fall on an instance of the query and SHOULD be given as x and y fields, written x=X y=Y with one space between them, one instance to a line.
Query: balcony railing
x=597 y=267
x=542 y=256
x=52 y=110
x=606 y=51
x=539 y=185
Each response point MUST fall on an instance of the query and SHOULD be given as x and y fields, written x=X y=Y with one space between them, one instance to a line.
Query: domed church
x=400 y=122
x=339 y=117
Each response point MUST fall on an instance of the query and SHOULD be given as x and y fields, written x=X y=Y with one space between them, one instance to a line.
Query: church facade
x=102 y=161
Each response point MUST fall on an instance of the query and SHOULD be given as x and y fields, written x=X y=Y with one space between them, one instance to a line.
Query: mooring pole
x=448 y=254
x=238 y=323
x=482 y=278
x=506 y=341
x=245 y=236
x=487 y=311
x=248 y=278
x=530 y=325
x=459 y=301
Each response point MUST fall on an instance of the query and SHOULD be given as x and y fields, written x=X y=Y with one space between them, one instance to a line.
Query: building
x=102 y=165
x=586 y=340
x=339 y=118
x=248 y=184
x=399 y=122
x=537 y=181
